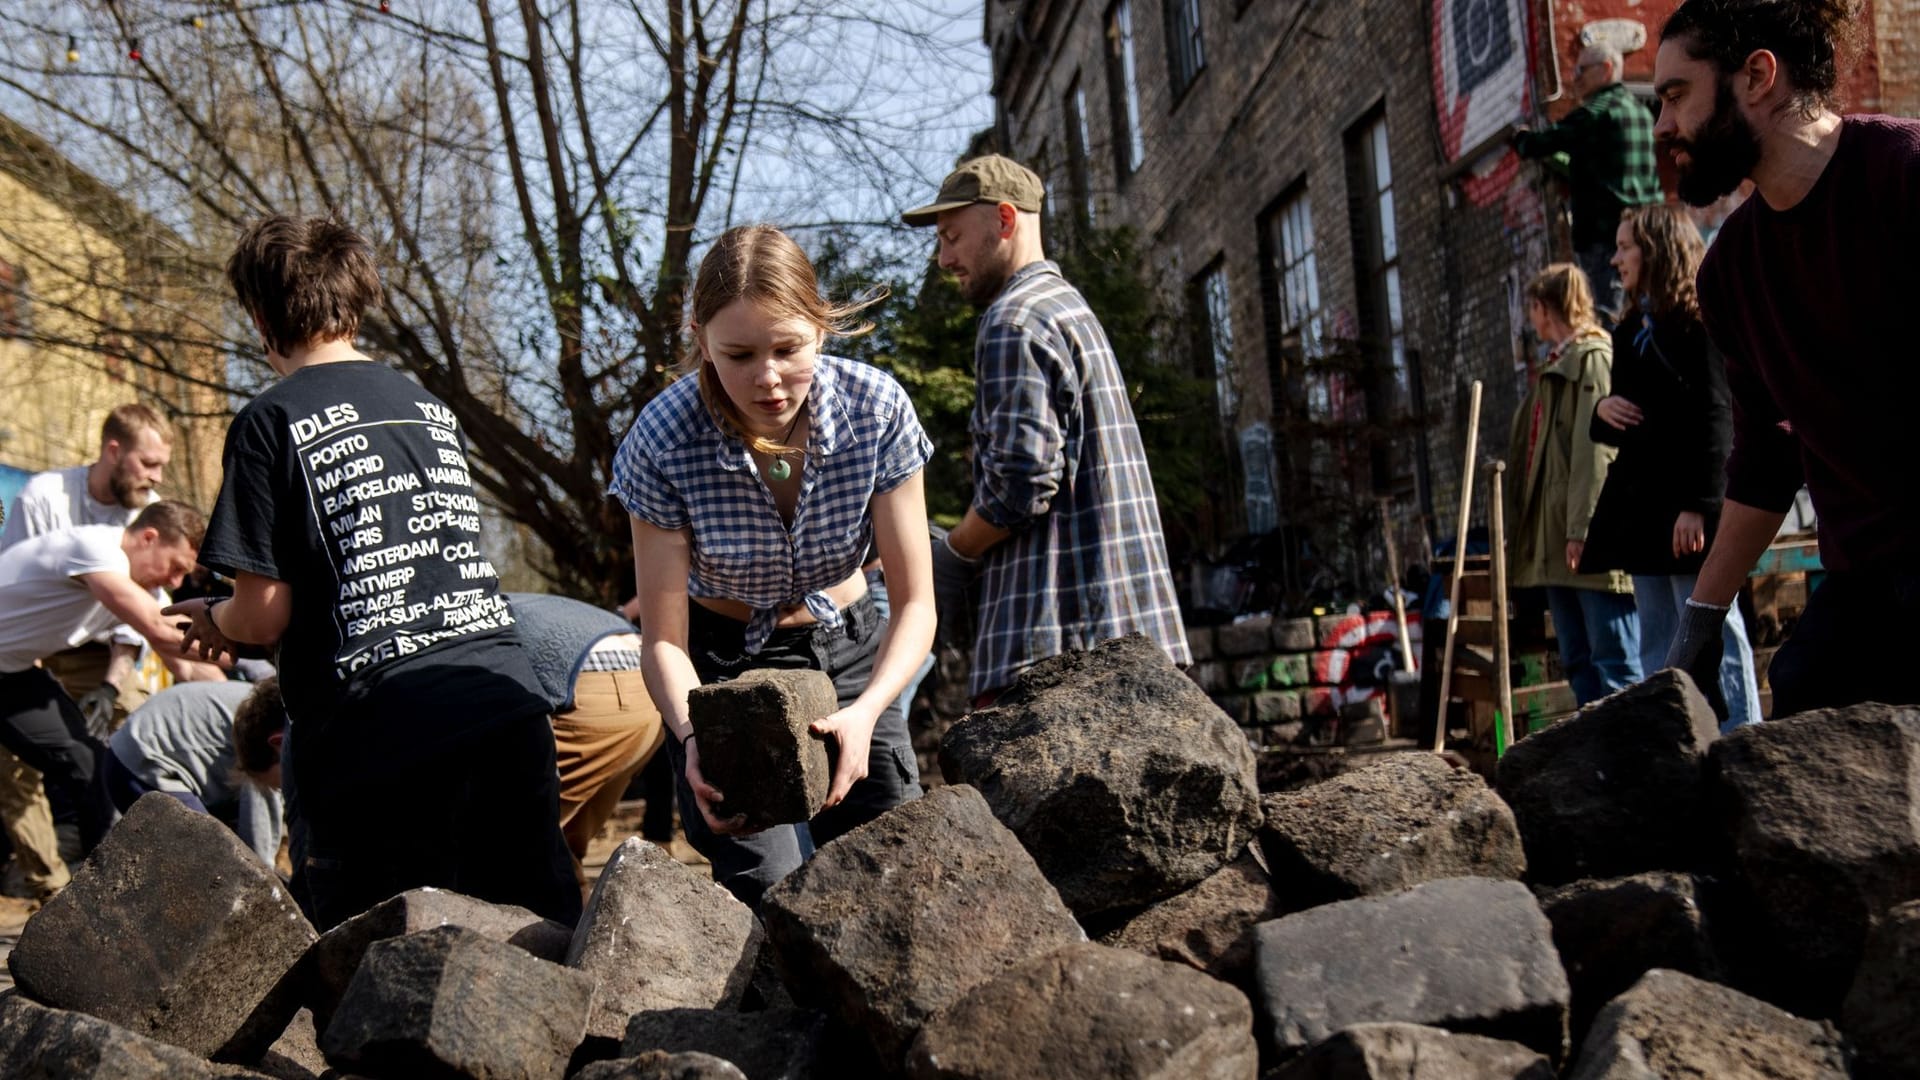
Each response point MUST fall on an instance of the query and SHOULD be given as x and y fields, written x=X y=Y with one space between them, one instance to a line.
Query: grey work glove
x=96 y=708
x=1696 y=650
x=953 y=577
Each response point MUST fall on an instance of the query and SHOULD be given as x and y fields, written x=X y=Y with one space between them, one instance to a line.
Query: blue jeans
x=877 y=588
x=749 y=865
x=1599 y=636
x=1661 y=599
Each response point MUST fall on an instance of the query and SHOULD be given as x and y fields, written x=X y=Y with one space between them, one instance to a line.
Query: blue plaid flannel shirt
x=1058 y=460
x=677 y=470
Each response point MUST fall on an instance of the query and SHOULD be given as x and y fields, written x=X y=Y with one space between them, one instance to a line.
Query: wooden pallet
x=1540 y=697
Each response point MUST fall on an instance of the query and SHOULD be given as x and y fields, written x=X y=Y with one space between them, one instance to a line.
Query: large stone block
x=1251 y=675
x=1881 y=1014
x=1465 y=954
x=1200 y=643
x=329 y=965
x=447 y=1001
x=1121 y=778
x=902 y=916
x=775 y=1044
x=1396 y=822
x=1211 y=677
x=39 y=1043
x=1413 y=1052
x=296 y=1055
x=660 y=1065
x=1090 y=1010
x=173 y=929
x=1824 y=813
x=1292 y=671
x=1209 y=927
x=1671 y=1024
x=1276 y=707
x=1617 y=788
x=656 y=935
x=1249 y=636
x=755 y=745
x=1294 y=635
x=1609 y=933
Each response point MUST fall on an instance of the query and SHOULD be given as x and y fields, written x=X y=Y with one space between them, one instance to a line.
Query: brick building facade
x=1348 y=262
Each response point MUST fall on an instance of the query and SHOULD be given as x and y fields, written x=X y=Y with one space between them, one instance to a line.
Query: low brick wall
x=1315 y=680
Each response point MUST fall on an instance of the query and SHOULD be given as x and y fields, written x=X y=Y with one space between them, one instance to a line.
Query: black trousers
x=477 y=812
x=749 y=865
x=1856 y=641
x=44 y=728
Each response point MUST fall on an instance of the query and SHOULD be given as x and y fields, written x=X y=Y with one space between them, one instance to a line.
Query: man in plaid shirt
x=1609 y=141
x=1063 y=530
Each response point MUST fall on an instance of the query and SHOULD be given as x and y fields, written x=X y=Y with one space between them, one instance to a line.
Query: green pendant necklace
x=778 y=469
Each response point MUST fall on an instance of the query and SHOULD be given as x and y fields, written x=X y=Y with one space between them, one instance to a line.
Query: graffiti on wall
x=1359 y=653
x=1480 y=86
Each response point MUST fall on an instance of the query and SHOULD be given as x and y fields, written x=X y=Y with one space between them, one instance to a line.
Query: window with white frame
x=1123 y=85
x=1381 y=256
x=1186 y=54
x=1213 y=316
x=1081 y=171
x=1294 y=275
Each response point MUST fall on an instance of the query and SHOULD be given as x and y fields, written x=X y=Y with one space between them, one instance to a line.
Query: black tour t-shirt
x=349 y=482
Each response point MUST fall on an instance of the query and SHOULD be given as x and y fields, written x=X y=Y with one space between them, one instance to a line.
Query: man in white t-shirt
x=63 y=588
x=136 y=444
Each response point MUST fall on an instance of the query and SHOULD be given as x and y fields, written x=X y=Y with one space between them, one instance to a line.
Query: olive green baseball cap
x=989 y=179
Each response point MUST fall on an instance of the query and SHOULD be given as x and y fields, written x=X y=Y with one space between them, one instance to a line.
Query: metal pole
x=1459 y=566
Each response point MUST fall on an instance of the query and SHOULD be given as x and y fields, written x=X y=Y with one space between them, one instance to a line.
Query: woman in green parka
x=1557 y=472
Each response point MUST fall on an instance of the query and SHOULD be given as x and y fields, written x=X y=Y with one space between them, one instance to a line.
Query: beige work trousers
x=609 y=735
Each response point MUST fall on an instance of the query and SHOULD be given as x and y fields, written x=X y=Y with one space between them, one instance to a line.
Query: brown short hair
x=762 y=264
x=174 y=521
x=260 y=717
x=1563 y=288
x=305 y=280
x=126 y=422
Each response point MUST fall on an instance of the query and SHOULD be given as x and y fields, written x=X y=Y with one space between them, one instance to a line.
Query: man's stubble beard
x=126 y=494
x=986 y=281
x=1720 y=155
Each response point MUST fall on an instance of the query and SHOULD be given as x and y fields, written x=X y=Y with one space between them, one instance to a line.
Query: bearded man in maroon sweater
x=1809 y=290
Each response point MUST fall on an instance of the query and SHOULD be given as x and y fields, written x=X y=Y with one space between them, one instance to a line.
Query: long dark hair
x=1812 y=39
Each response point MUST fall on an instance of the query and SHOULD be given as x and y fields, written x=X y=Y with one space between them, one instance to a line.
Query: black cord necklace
x=778 y=468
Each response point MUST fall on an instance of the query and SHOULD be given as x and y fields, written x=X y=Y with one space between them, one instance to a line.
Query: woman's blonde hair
x=1563 y=288
x=1670 y=252
x=761 y=264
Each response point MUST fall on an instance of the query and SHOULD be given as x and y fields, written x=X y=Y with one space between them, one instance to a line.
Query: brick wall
x=1284 y=83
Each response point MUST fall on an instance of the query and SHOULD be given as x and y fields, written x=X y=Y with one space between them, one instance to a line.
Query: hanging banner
x=1480 y=86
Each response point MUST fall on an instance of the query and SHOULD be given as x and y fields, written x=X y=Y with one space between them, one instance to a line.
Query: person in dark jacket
x=1671 y=417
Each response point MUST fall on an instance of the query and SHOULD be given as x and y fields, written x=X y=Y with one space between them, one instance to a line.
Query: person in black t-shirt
x=419 y=749
x=1807 y=291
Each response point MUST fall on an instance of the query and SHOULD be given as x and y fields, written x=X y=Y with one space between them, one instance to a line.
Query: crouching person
x=605 y=728
x=418 y=741
x=215 y=746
